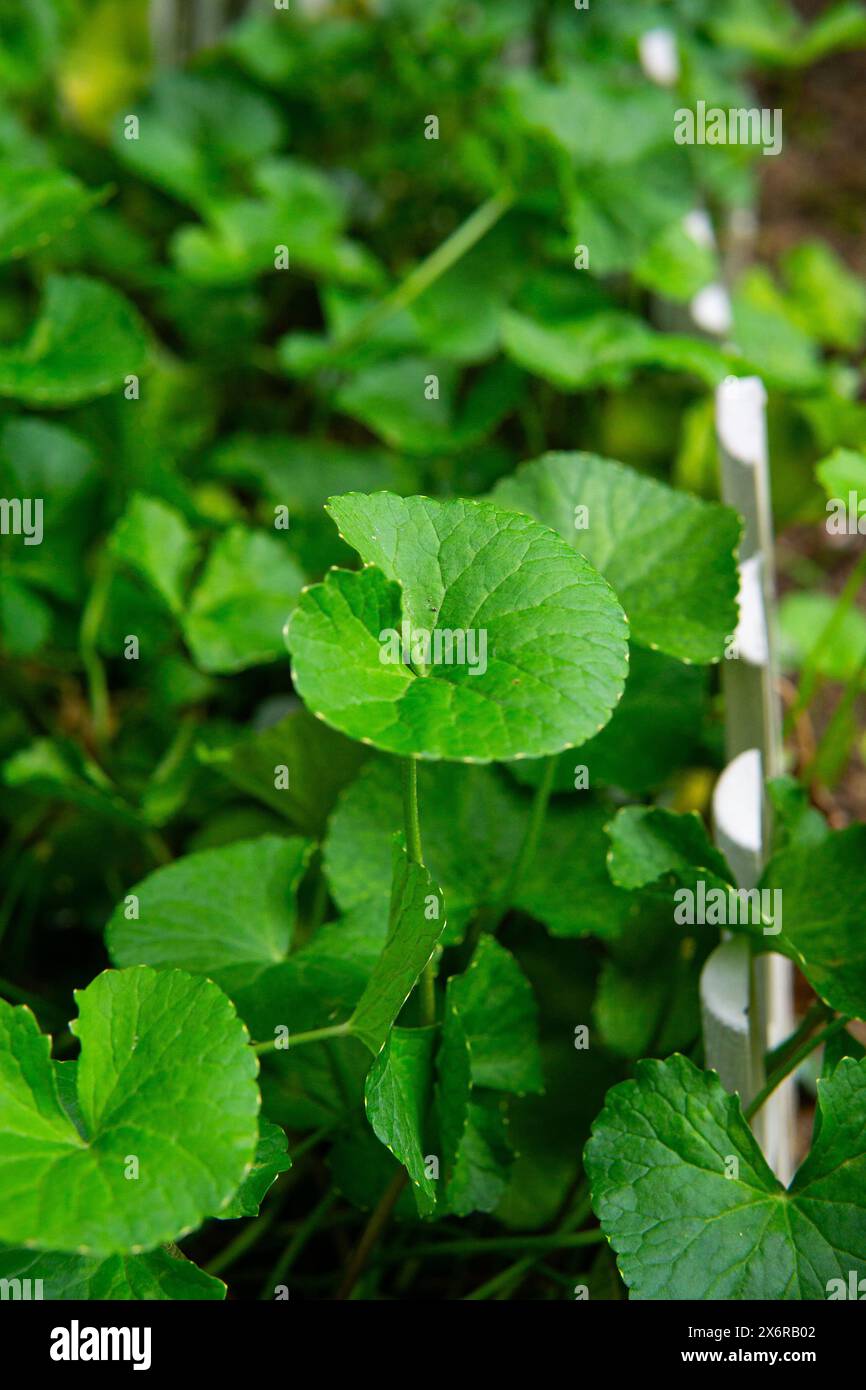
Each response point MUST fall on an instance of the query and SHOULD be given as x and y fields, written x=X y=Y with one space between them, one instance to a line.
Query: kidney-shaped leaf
x=670 y=557
x=474 y=633
x=686 y=1198
x=168 y=1102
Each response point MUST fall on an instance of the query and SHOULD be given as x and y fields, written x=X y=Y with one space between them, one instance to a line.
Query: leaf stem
x=255 y=1228
x=372 y=1231
x=333 y=1030
x=791 y=1063
x=428 y=271
x=97 y=683
x=412 y=831
x=556 y=1240
x=411 y=820
x=488 y=919
x=288 y=1257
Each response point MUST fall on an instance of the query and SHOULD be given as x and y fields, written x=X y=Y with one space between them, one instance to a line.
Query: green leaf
x=796 y=822
x=397 y=1099
x=676 y=264
x=271 y=1159
x=473 y=823
x=156 y=1275
x=823 y=902
x=238 y=608
x=154 y=540
x=416 y=921
x=829 y=302
x=396 y=401
x=649 y=843
x=803 y=618
x=186 y=146
x=319 y=763
x=605 y=348
x=476 y=1156
x=842 y=472
x=770 y=339
x=552 y=635
x=655 y=729
x=165 y=1077
x=58 y=770
x=85 y=342
x=684 y=1229
x=669 y=557
x=499 y=1017
x=37 y=206
x=228 y=913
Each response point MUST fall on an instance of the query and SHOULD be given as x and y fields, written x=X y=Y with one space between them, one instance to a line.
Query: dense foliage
x=298 y=349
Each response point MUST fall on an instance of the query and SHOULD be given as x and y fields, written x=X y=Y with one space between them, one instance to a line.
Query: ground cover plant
x=364 y=590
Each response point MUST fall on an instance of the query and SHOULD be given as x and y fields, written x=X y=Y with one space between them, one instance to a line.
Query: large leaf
x=156 y=1275
x=416 y=921
x=555 y=636
x=238 y=607
x=688 y=1202
x=669 y=556
x=85 y=342
x=165 y=1077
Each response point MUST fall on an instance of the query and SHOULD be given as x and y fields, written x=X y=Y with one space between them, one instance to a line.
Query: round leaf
x=555 y=659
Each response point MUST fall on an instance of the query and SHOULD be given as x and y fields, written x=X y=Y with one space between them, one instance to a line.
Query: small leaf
x=649 y=843
x=416 y=921
x=153 y=539
x=670 y=557
x=549 y=637
x=165 y=1078
x=397 y=1099
x=238 y=608
x=86 y=341
x=499 y=1017
x=271 y=1159
x=688 y=1202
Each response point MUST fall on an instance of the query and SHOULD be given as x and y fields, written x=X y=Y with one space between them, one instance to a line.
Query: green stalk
x=489 y=918
x=296 y=1245
x=826 y=760
x=425 y=274
x=816 y=1014
x=791 y=1064
x=91 y=622
x=411 y=819
x=412 y=831
x=557 y=1240
x=334 y=1030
